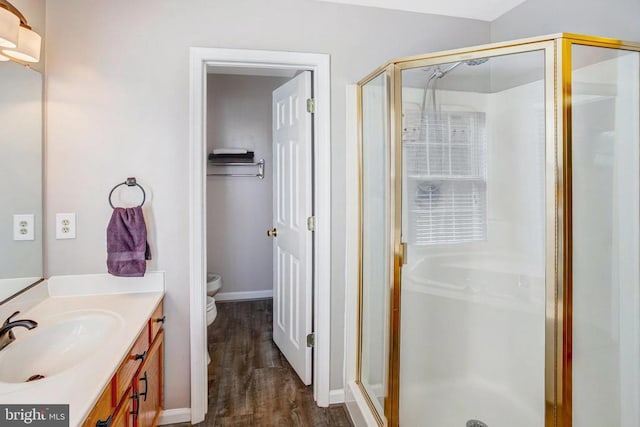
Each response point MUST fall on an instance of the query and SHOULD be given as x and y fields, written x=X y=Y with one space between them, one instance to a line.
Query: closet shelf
x=259 y=164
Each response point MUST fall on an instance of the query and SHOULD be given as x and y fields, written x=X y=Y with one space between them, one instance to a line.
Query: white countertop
x=81 y=386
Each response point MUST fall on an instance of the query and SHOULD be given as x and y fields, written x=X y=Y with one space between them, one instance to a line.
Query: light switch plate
x=23 y=227
x=65 y=226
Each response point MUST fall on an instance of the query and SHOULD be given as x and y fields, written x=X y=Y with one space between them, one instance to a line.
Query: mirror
x=20 y=178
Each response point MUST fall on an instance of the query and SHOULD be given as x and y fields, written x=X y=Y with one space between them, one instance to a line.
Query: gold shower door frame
x=558 y=210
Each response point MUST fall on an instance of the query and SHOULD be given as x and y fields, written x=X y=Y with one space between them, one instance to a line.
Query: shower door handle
x=272 y=233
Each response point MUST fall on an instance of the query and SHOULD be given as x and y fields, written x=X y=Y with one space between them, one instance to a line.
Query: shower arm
x=450 y=68
x=437 y=74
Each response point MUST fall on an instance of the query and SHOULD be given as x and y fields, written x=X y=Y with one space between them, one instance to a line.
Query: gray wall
x=118 y=106
x=617 y=19
x=239 y=210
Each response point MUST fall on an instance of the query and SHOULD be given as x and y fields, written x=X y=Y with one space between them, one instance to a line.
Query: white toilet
x=212 y=311
x=214 y=283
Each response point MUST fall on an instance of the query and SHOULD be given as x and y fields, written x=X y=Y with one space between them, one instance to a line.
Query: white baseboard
x=174 y=416
x=358 y=408
x=243 y=296
x=336 y=396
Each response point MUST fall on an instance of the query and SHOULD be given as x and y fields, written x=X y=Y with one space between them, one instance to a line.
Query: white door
x=292 y=241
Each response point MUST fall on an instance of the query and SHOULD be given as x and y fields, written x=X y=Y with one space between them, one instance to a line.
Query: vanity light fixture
x=9 y=24
x=18 y=42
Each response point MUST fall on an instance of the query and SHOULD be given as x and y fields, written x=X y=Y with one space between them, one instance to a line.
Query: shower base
x=452 y=404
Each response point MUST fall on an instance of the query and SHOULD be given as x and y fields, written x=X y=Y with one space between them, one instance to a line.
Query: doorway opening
x=260 y=206
x=258 y=196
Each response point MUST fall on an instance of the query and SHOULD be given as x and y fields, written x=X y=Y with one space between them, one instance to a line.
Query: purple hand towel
x=127 y=247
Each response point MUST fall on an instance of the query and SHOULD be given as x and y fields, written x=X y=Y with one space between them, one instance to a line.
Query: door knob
x=272 y=233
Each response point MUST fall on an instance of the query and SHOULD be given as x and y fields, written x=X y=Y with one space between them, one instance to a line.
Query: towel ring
x=130 y=182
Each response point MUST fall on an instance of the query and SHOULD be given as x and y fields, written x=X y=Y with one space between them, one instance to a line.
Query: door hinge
x=311 y=105
x=311 y=339
x=311 y=223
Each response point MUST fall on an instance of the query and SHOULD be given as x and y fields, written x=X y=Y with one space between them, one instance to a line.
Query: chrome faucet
x=6 y=334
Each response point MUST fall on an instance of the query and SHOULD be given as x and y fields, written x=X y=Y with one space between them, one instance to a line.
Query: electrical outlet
x=23 y=227
x=65 y=226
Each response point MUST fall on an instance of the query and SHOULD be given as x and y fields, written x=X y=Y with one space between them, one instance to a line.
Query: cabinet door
x=133 y=362
x=156 y=322
x=123 y=415
x=148 y=384
x=102 y=409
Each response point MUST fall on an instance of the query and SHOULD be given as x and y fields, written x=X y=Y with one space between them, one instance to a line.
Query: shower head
x=478 y=61
x=439 y=73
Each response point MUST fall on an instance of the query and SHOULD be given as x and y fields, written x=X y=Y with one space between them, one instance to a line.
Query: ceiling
x=485 y=10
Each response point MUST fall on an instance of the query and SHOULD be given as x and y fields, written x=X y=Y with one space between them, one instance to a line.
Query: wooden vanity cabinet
x=148 y=386
x=133 y=397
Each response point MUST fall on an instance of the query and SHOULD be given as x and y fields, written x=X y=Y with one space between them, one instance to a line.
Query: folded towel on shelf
x=246 y=157
x=127 y=246
x=230 y=151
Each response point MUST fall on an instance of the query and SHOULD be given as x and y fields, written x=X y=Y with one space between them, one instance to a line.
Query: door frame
x=319 y=64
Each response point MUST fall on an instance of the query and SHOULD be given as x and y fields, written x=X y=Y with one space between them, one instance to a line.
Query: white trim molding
x=174 y=416
x=336 y=396
x=197 y=244
x=352 y=239
x=319 y=64
x=358 y=407
x=244 y=296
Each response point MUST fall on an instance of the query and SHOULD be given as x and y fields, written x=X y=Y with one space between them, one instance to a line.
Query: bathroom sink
x=58 y=344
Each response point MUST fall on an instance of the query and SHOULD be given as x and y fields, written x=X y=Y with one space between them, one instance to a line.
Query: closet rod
x=248 y=175
x=259 y=163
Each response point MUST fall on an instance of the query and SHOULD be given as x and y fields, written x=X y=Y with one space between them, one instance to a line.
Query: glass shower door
x=472 y=318
x=374 y=251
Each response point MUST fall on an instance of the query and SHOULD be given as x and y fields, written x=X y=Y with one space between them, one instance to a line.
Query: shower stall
x=499 y=236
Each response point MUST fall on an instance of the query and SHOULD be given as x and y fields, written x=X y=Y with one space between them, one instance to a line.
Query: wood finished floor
x=250 y=381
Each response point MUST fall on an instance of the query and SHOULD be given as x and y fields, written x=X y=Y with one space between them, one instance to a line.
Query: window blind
x=445 y=166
